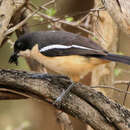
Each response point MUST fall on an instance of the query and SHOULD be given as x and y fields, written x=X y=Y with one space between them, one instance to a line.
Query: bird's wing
x=64 y=50
x=72 y=44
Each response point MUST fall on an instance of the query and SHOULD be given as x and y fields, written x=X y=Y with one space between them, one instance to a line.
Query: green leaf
x=69 y=19
x=117 y=71
x=95 y=39
x=120 y=53
x=39 y=18
x=51 y=12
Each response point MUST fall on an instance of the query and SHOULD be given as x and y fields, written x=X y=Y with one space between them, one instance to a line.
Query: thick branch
x=98 y=111
x=49 y=90
x=120 y=12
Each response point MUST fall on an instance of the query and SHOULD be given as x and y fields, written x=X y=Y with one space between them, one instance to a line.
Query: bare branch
x=128 y=85
x=11 y=30
x=109 y=87
x=121 y=82
x=7 y=9
x=48 y=91
x=76 y=24
x=92 y=107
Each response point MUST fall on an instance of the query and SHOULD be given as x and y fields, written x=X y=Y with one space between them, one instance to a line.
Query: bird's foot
x=41 y=76
x=57 y=102
x=44 y=76
x=63 y=95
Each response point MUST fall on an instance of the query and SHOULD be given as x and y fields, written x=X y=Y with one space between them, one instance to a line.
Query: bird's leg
x=47 y=76
x=64 y=93
x=41 y=76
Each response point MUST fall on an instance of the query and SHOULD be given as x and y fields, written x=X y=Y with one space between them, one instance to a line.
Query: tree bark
x=7 y=10
x=84 y=103
x=120 y=12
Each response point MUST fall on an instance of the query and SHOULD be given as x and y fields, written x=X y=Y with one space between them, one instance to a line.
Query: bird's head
x=18 y=46
x=22 y=44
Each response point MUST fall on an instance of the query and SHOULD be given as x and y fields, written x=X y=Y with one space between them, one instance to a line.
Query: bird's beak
x=14 y=58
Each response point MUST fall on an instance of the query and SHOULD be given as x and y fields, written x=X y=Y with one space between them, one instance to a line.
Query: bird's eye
x=19 y=45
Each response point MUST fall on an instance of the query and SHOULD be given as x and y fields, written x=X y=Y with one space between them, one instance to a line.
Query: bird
x=63 y=53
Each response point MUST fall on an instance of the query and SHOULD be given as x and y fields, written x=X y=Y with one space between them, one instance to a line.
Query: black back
x=46 y=38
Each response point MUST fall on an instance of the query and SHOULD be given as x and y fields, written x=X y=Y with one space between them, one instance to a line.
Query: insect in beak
x=14 y=58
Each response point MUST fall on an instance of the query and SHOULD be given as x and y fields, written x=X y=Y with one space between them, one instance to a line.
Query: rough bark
x=120 y=12
x=64 y=121
x=7 y=10
x=89 y=105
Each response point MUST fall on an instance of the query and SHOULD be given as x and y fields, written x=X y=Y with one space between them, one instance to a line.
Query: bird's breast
x=73 y=66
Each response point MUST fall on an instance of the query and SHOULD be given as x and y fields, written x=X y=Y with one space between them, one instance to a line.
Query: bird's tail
x=116 y=58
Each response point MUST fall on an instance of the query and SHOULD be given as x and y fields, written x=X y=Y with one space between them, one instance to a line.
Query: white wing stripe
x=82 y=47
x=51 y=47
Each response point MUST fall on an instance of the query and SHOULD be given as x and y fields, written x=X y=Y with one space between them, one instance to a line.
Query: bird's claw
x=41 y=76
x=57 y=102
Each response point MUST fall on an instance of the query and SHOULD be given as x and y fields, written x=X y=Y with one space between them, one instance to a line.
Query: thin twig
x=85 y=30
x=53 y=19
x=108 y=87
x=97 y=9
x=121 y=82
x=128 y=85
x=48 y=3
x=16 y=92
x=9 y=31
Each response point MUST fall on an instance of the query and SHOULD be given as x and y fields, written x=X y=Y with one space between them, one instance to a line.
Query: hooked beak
x=14 y=58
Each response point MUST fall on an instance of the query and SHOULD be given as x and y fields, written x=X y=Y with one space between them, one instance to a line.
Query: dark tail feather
x=116 y=58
